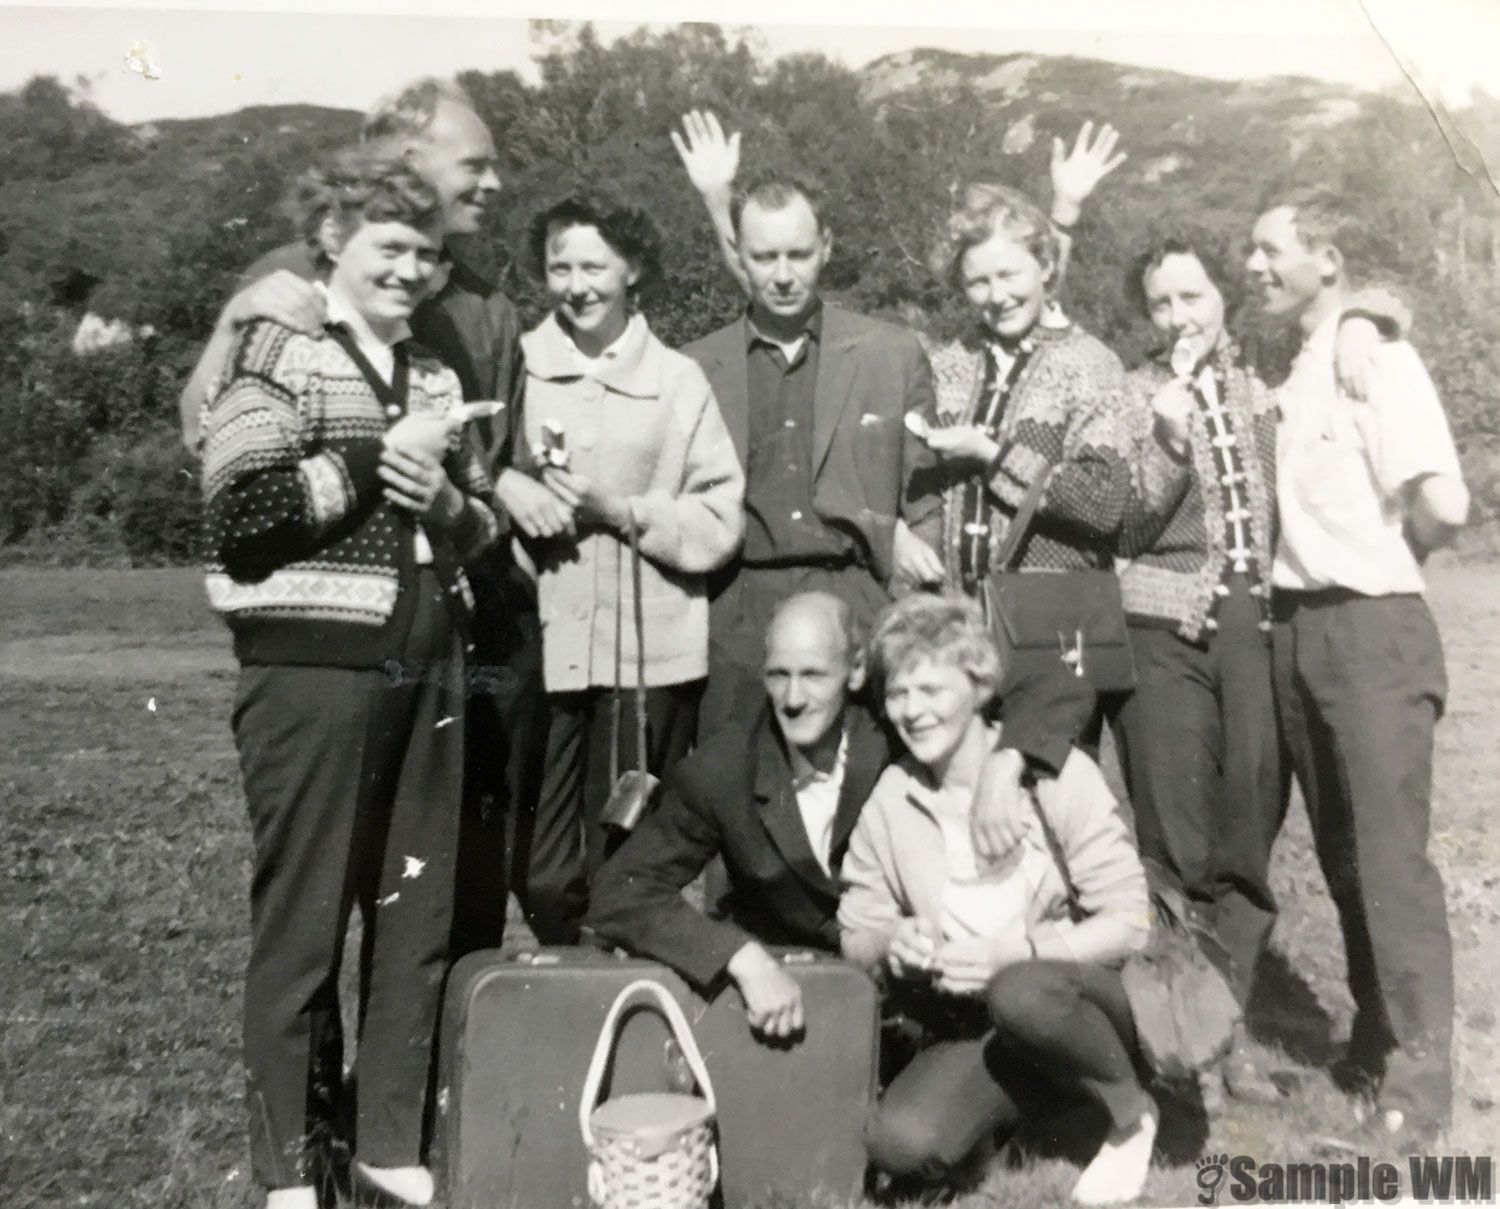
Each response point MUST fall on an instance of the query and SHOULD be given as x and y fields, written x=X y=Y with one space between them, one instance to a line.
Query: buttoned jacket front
x=641 y=423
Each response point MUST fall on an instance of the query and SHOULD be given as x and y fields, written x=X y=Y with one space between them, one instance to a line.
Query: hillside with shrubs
x=150 y=225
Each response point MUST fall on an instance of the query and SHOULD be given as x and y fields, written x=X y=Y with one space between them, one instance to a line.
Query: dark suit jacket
x=733 y=798
x=870 y=374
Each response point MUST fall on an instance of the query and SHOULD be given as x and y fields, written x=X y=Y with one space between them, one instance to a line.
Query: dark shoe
x=1358 y=1072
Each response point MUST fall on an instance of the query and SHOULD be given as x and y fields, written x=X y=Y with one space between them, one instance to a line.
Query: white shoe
x=304 y=1197
x=410 y=1185
x=1118 y=1172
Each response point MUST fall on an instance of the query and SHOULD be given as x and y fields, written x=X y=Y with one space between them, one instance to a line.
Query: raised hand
x=1076 y=173
x=1173 y=406
x=711 y=159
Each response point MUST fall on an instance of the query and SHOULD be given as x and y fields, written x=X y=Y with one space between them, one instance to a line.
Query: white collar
x=341 y=310
x=611 y=352
x=803 y=771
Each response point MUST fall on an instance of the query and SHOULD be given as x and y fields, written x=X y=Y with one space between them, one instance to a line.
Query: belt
x=828 y=562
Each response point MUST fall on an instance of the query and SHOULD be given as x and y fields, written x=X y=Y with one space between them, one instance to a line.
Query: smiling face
x=1005 y=284
x=934 y=705
x=1183 y=302
x=589 y=283
x=783 y=251
x=1289 y=277
x=456 y=156
x=383 y=269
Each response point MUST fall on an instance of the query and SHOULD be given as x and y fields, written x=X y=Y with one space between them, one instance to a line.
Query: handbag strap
x=1054 y=846
x=640 y=644
x=614 y=696
x=1020 y=524
x=651 y=993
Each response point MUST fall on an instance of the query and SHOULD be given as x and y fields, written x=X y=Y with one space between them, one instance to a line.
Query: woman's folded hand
x=590 y=504
x=912 y=950
x=965 y=965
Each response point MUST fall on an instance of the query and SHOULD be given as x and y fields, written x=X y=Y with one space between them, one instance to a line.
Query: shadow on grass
x=1285 y=1011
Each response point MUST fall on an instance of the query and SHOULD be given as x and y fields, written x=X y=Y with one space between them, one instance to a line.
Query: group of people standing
x=450 y=553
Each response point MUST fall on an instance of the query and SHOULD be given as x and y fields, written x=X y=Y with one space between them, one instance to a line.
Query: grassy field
x=122 y=886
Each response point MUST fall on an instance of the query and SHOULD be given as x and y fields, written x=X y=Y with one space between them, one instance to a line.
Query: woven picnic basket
x=649 y=1150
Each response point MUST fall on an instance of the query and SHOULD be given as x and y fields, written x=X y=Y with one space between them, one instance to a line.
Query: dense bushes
x=91 y=467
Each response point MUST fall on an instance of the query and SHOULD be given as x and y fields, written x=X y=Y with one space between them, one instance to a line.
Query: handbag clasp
x=1071 y=656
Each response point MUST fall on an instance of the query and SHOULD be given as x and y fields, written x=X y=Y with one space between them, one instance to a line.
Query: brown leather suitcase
x=516 y=1039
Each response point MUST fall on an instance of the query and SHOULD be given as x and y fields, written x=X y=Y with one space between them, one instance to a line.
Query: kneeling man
x=777 y=798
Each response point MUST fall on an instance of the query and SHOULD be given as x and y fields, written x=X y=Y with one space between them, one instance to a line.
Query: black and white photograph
x=747 y=606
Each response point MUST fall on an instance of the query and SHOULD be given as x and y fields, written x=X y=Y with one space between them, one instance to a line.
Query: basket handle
x=652 y=993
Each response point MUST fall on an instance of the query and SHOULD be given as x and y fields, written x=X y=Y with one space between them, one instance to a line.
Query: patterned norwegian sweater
x=312 y=566
x=1175 y=534
x=1062 y=409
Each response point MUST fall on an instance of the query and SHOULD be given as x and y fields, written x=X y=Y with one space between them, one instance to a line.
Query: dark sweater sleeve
x=1043 y=713
x=637 y=900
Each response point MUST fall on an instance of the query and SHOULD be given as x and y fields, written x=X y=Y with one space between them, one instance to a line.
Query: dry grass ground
x=122 y=879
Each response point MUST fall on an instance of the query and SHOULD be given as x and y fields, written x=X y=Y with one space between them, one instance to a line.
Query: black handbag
x=1074 y=617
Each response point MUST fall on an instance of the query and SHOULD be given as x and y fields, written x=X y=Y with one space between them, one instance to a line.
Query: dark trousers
x=507 y=733
x=1201 y=756
x=1361 y=684
x=740 y=615
x=564 y=840
x=352 y=779
x=1057 y=1029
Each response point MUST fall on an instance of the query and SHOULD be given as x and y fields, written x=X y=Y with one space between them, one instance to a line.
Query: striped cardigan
x=309 y=560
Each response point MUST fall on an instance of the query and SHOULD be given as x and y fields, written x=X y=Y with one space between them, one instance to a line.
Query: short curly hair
x=626 y=228
x=944 y=628
x=987 y=210
x=1202 y=247
x=359 y=185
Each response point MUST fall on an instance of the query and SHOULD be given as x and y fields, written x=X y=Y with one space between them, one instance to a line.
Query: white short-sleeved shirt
x=1342 y=469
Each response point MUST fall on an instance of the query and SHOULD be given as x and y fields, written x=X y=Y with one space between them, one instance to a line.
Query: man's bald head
x=814 y=661
x=820 y=613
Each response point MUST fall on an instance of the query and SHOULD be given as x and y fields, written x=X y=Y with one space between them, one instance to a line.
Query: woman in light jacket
x=1020 y=1004
x=645 y=445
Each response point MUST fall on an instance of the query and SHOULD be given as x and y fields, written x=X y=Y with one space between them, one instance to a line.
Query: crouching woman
x=1013 y=976
x=343 y=495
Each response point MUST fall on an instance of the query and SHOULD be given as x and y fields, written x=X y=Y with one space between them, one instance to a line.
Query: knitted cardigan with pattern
x=309 y=561
x=1062 y=409
x=1173 y=532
